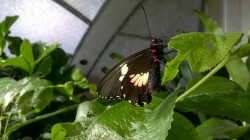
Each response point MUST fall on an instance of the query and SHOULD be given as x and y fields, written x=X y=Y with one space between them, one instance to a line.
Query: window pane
x=88 y=8
x=44 y=20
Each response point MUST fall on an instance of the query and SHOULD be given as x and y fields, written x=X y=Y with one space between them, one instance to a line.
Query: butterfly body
x=136 y=77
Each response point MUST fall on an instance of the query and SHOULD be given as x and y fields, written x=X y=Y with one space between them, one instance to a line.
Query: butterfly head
x=155 y=42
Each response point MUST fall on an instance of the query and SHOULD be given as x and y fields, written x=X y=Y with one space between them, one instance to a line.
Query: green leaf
x=239 y=73
x=41 y=51
x=219 y=96
x=246 y=136
x=41 y=99
x=88 y=109
x=5 y=84
x=68 y=86
x=160 y=117
x=86 y=113
x=208 y=50
x=215 y=128
x=64 y=131
x=210 y=25
x=77 y=75
x=44 y=67
x=243 y=51
x=38 y=118
x=8 y=91
x=182 y=129
x=82 y=82
x=24 y=105
x=38 y=49
x=105 y=69
x=61 y=68
x=117 y=57
x=4 y=30
x=203 y=50
x=7 y=23
x=28 y=94
x=17 y=62
x=172 y=68
x=27 y=55
x=113 y=125
x=92 y=89
x=34 y=95
x=14 y=44
x=25 y=61
x=187 y=73
x=248 y=67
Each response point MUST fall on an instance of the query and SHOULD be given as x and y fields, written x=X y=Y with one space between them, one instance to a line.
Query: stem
x=1 y=122
x=211 y=73
x=41 y=117
x=7 y=122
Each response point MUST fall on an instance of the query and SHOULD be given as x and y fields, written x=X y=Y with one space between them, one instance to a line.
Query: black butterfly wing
x=128 y=80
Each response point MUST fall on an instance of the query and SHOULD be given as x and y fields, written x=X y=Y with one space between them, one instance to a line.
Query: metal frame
x=110 y=20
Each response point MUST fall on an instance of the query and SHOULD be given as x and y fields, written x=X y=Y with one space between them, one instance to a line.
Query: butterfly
x=136 y=77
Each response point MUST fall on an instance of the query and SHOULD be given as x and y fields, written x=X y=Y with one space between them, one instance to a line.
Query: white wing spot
x=124 y=71
x=139 y=79
x=118 y=97
x=121 y=78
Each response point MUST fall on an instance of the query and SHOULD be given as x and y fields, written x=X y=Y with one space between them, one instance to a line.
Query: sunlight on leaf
x=7 y=91
x=34 y=95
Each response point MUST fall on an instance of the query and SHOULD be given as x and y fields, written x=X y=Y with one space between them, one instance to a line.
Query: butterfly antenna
x=146 y=20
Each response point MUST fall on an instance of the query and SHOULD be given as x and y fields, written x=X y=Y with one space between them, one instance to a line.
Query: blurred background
x=90 y=30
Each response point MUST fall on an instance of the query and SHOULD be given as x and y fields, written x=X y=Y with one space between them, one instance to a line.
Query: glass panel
x=44 y=20
x=89 y=8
